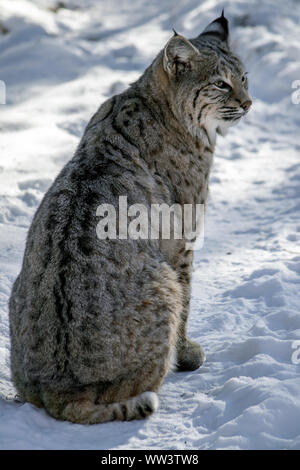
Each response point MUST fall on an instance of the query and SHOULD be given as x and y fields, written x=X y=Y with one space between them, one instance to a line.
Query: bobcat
x=95 y=323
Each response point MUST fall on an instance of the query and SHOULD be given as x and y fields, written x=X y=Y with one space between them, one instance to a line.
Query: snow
x=58 y=65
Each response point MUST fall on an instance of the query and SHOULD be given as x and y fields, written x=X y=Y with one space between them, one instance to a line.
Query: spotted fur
x=95 y=324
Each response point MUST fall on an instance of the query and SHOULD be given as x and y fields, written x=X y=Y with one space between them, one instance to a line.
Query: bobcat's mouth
x=232 y=114
x=228 y=118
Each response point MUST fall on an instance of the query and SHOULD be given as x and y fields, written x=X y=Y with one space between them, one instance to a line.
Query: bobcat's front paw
x=190 y=356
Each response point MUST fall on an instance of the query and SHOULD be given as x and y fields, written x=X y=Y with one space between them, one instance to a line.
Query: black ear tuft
x=218 y=28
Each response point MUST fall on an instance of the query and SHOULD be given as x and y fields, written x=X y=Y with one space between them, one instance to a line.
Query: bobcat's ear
x=218 y=28
x=179 y=55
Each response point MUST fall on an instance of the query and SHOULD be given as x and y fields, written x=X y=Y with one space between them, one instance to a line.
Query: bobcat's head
x=208 y=83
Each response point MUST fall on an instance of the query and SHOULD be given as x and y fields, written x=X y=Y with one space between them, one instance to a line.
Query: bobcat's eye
x=244 y=77
x=223 y=85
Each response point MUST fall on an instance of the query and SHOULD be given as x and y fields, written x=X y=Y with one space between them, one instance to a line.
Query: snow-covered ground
x=59 y=64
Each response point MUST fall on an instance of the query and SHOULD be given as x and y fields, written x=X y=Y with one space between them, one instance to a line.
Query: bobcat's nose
x=246 y=105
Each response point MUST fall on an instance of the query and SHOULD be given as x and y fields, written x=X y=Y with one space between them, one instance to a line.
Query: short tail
x=87 y=412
